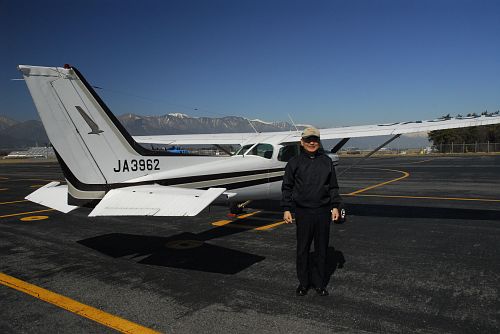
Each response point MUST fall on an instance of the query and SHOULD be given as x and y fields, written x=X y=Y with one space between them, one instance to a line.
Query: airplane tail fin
x=90 y=142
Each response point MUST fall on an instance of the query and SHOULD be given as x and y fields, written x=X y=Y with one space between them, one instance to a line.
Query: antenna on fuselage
x=295 y=126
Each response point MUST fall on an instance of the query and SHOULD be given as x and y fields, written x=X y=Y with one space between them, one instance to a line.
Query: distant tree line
x=473 y=134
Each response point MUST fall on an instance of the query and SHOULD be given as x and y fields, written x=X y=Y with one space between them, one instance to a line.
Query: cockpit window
x=261 y=150
x=288 y=151
x=243 y=149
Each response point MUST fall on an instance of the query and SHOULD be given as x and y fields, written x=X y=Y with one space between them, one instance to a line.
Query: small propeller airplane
x=108 y=169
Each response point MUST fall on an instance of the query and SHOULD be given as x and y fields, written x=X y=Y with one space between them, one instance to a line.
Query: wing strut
x=339 y=145
x=368 y=155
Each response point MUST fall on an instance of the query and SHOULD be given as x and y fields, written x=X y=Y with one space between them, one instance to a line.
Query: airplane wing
x=155 y=200
x=403 y=127
x=409 y=127
x=196 y=139
x=328 y=133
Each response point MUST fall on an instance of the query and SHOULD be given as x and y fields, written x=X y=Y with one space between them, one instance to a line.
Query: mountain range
x=177 y=123
x=15 y=134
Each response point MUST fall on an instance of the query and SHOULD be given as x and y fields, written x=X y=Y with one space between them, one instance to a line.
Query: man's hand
x=335 y=214
x=287 y=217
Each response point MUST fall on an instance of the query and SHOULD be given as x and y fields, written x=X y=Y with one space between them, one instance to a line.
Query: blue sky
x=326 y=63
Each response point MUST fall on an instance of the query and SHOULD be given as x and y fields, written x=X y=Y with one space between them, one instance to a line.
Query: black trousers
x=312 y=227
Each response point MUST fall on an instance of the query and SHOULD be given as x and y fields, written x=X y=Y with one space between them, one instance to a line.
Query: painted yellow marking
x=405 y=175
x=432 y=197
x=248 y=227
x=25 y=213
x=267 y=218
x=224 y=222
x=30 y=218
x=89 y=312
x=221 y=222
x=270 y=226
x=238 y=225
x=37 y=185
x=246 y=215
x=12 y=202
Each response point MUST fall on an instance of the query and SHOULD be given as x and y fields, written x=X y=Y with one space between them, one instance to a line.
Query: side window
x=288 y=151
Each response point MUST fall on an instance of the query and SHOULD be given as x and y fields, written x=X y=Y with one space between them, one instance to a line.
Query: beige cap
x=310 y=132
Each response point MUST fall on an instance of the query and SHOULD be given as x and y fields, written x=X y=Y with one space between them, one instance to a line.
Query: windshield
x=261 y=150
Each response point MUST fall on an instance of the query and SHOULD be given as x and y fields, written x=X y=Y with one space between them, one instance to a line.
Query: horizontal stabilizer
x=52 y=195
x=155 y=200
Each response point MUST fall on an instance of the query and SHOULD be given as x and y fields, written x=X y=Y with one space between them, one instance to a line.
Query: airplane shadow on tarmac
x=192 y=251
x=185 y=250
x=188 y=251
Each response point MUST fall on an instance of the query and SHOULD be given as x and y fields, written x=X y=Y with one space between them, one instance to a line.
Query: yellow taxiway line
x=89 y=312
x=11 y=202
x=222 y=222
x=267 y=227
x=248 y=227
x=25 y=213
x=405 y=175
x=246 y=215
x=227 y=221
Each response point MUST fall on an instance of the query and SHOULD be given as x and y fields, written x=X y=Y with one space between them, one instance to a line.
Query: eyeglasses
x=311 y=139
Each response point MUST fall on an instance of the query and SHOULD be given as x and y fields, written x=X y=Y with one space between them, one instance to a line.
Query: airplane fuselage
x=245 y=176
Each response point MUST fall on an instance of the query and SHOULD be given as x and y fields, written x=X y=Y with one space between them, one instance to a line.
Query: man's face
x=310 y=144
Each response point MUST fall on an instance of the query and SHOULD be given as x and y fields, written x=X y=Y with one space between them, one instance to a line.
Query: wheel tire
x=235 y=209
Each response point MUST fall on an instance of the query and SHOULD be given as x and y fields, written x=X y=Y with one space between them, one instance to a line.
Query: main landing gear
x=238 y=208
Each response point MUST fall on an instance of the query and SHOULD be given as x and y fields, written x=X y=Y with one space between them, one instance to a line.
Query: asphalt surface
x=421 y=256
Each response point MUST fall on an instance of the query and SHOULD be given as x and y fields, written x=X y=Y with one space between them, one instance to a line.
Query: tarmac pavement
x=421 y=251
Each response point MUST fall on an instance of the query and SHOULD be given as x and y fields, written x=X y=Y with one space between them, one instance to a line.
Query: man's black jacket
x=310 y=182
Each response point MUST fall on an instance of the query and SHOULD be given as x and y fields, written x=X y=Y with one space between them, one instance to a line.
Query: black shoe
x=322 y=292
x=301 y=291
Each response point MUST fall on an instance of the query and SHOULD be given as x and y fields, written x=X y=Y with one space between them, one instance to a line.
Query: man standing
x=310 y=185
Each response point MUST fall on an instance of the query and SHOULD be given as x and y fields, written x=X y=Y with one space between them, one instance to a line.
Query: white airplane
x=108 y=169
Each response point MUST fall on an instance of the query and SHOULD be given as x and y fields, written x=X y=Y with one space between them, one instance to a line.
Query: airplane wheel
x=235 y=209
